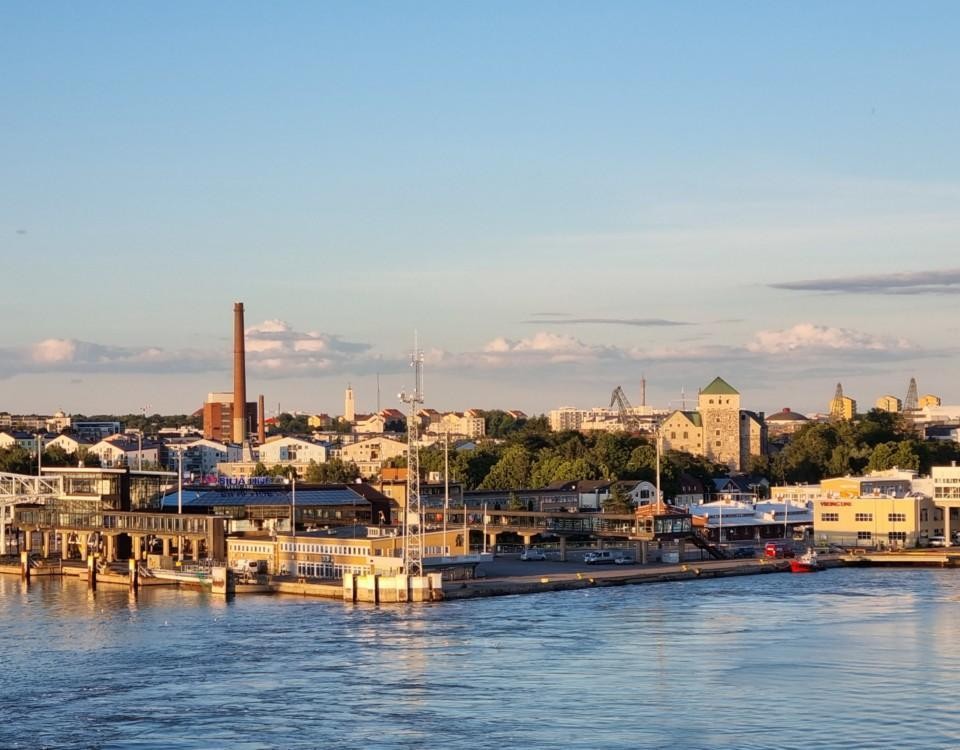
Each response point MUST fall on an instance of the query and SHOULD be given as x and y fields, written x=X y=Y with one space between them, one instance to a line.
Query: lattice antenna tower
x=912 y=401
x=412 y=519
x=836 y=406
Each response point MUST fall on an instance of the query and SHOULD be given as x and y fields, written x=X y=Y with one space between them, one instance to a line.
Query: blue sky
x=536 y=188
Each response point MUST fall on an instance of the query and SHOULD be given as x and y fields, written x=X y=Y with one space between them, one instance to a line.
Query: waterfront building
x=895 y=483
x=357 y=550
x=740 y=520
x=876 y=520
x=266 y=503
x=946 y=496
x=119 y=451
x=115 y=513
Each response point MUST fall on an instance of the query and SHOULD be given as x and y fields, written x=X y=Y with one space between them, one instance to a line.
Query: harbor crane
x=628 y=419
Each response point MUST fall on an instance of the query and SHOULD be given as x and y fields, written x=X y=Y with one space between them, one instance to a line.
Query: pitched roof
x=720 y=387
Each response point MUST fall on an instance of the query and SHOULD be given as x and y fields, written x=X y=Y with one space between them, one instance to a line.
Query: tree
x=17 y=460
x=260 y=470
x=618 y=501
x=512 y=471
x=57 y=456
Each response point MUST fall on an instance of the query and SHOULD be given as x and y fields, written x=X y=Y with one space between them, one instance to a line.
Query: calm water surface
x=841 y=659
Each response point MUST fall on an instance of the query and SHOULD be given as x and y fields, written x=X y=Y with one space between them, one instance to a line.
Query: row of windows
x=891 y=517
x=252 y=548
x=324 y=549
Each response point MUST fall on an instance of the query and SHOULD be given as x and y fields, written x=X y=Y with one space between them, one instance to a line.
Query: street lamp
x=179 y=501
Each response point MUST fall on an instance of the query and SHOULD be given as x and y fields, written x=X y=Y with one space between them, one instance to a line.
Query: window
x=897 y=536
x=895 y=517
x=829 y=516
x=864 y=536
x=718 y=443
x=673 y=436
x=685 y=435
x=718 y=433
x=863 y=516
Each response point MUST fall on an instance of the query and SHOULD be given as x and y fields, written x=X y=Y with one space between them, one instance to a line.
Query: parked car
x=939 y=541
x=740 y=553
x=625 y=559
x=532 y=554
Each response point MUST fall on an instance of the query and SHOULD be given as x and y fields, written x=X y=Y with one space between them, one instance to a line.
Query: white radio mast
x=413 y=517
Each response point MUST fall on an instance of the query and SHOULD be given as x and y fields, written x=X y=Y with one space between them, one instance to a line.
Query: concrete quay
x=605 y=577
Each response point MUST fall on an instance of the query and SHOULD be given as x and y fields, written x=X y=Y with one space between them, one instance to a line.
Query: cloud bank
x=945 y=281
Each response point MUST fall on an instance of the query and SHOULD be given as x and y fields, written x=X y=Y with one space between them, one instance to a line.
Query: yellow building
x=843 y=407
x=929 y=400
x=889 y=403
x=683 y=431
x=876 y=521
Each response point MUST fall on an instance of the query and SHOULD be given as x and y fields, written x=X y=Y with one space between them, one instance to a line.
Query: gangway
x=20 y=489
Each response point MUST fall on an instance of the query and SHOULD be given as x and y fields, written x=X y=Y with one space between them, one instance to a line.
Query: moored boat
x=806 y=563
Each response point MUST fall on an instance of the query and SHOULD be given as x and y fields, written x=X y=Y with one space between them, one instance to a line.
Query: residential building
x=843 y=407
x=320 y=421
x=200 y=457
x=889 y=403
x=462 y=424
x=928 y=399
x=68 y=444
x=292 y=450
x=118 y=452
x=371 y=454
x=17 y=438
x=91 y=432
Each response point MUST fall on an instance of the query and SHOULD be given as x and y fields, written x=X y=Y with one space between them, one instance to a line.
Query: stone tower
x=719 y=408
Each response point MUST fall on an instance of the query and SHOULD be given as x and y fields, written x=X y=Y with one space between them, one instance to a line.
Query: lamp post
x=39 y=454
x=293 y=518
x=180 y=501
x=446 y=487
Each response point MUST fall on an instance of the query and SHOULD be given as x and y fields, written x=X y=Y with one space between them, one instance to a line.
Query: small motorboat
x=806 y=563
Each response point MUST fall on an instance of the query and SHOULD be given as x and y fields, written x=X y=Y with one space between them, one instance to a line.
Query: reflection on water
x=844 y=658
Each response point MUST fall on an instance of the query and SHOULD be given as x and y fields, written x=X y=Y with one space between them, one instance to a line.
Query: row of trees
x=876 y=441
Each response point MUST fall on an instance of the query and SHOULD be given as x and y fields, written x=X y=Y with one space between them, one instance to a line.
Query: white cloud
x=810 y=338
x=53 y=350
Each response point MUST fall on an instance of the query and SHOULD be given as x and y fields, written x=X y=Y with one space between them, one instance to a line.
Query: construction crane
x=627 y=418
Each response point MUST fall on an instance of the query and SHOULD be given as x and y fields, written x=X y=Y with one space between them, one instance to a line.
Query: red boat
x=806 y=563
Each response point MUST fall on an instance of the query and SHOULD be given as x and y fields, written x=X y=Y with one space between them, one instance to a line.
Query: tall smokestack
x=239 y=377
x=262 y=425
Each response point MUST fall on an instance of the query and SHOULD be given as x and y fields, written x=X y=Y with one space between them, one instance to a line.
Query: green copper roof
x=720 y=387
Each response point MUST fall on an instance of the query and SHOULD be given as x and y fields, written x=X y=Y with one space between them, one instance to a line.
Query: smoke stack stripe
x=239 y=376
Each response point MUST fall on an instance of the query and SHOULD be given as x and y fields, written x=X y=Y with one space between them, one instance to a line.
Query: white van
x=601 y=557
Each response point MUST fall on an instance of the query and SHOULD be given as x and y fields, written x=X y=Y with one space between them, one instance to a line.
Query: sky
x=557 y=197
